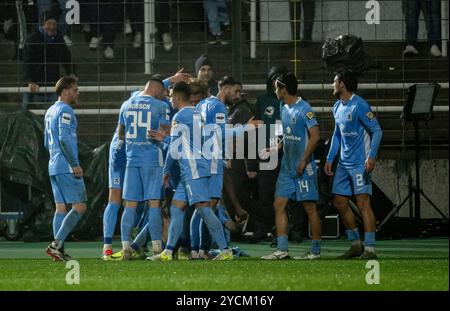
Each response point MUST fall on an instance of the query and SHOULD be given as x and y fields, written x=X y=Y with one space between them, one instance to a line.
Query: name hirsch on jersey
x=139 y=106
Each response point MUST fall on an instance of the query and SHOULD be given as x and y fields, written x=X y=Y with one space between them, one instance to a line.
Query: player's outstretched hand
x=327 y=169
x=180 y=76
x=252 y=175
x=34 y=88
x=264 y=154
x=255 y=123
x=369 y=165
x=77 y=171
x=156 y=135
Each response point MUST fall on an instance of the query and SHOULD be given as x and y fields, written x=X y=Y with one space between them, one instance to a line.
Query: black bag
x=345 y=53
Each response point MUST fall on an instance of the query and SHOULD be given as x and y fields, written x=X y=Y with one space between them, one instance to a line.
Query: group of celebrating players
x=170 y=146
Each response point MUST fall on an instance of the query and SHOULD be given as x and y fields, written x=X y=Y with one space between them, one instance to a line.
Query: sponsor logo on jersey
x=66 y=118
x=349 y=117
x=220 y=118
x=269 y=111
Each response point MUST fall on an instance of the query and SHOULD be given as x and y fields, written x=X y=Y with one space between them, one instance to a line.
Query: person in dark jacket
x=267 y=110
x=205 y=72
x=45 y=51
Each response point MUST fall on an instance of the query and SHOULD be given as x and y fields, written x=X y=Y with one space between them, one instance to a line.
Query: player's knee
x=80 y=208
x=363 y=201
x=340 y=204
x=61 y=208
x=311 y=211
x=115 y=196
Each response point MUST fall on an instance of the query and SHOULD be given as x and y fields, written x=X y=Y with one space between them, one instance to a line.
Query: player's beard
x=228 y=101
x=337 y=94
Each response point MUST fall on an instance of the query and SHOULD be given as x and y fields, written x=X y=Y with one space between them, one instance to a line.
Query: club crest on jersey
x=288 y=130
x=310 y=115
x=349 y=117
x=370 y=115
x=269 y=111
x=220 y=118
x=66 y=117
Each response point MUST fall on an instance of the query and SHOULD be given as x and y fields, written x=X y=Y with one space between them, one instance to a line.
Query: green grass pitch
x=403 y=265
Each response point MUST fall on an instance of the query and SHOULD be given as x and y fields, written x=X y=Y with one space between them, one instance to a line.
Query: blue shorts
x=350 y=181
x=116 y=176
x=142 y=183
x=67 y=189
x=215 y=186
x=193 y=191
x=299 y=188
x=222 y=214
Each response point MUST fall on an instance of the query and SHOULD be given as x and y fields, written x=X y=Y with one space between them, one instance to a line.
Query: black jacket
x=240 y=113
x=42 y=57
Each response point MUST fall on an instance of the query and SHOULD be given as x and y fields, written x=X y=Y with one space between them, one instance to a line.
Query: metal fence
x=148 y=37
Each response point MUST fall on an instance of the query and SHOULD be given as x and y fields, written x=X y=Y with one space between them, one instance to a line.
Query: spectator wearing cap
x=45 y=51
x=205 y=73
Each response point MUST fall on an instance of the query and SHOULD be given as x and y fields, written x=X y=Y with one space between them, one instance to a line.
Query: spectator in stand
x=218 y=19
x=45 y=51
x=432 y=13
x=163 y=22
x=47 y=5
x=205 y=73
x=105 y=18
x=308 y=20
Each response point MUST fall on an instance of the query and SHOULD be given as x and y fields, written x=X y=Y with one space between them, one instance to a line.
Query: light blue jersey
x=357 y=133
x=185 y=146
x=214 y=112
x=138 y=115
x=60 y=138
x=117 y=157
x=296 y=120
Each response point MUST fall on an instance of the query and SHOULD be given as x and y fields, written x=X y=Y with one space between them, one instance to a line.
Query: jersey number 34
x=136 y=122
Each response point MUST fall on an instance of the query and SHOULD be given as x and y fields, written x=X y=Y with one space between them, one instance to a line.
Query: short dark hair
x=64 y=83
x=349 y=79
x=288 y=81
x=158 y=78
x=182 y=89
x=228 y=80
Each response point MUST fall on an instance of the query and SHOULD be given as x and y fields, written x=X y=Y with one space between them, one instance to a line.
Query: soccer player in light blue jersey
x=214 y=116
x=185 y=149
x=297 y=179
x=116 y=174
x=143 y=174
x=66 y=174
x=356 y=136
